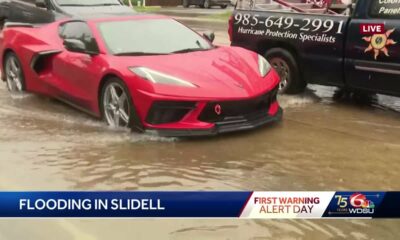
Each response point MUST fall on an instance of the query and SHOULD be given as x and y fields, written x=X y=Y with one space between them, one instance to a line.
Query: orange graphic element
x=379 y=43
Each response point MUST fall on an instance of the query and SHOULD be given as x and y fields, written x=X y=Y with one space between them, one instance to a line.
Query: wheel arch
x=265 y=46
x=138 y=126
x=100 y=88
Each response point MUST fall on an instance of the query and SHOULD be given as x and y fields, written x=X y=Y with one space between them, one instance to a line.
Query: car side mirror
x=75 y=45
x=41 y=4
x=210 y=36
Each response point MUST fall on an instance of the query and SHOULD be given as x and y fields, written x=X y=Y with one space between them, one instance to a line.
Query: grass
x=147 y=9
x=220 y=16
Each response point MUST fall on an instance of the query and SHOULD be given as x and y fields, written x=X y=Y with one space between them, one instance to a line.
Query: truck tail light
x=230 y=28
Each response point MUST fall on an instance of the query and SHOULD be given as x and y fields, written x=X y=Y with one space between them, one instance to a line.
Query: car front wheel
x=116 y=105
x=14 y=73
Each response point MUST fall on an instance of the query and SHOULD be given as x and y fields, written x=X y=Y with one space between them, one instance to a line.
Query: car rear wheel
x=286 y=66
x=116 y=105
x=2 y=22
x=207 y=4
x=185 y=3
x=14 y=73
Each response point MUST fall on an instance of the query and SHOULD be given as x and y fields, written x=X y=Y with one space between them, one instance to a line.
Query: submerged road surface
x=324 y=142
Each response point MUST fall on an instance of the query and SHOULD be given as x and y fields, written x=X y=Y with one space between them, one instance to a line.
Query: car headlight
x=263 y=66
x=158 y=77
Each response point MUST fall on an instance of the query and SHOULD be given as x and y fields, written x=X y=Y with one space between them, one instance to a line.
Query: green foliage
x=134 y=2
x=147 y=9
x=220 y=16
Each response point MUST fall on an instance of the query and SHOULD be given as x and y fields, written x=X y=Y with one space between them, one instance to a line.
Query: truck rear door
x=316 y=38
x=373 y=52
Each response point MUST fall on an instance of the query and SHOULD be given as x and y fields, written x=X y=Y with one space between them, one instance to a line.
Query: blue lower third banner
x=250 y=205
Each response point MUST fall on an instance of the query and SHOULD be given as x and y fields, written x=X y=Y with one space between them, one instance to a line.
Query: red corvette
x=142 y=72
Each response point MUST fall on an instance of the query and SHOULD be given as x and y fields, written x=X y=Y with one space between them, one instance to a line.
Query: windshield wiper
x=89 y=5
x=72 y=5
x=105 y=4
x=138 y=54
x=190 y=50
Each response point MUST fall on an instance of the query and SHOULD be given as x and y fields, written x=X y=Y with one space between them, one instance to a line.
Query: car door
x=373 y=59
x=25 y=11
x=76 y=74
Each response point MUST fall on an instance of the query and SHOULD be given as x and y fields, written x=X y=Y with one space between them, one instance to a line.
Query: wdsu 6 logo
x=356 y=203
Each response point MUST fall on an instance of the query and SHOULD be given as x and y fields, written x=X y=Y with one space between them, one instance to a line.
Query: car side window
x=386 y=9
x=79 y=31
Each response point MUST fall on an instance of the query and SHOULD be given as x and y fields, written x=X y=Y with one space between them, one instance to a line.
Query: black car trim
x=388 y=68
x=39 y=56
x=220 y=129
x=168 y=111
x=380 y=70
x=231 y=110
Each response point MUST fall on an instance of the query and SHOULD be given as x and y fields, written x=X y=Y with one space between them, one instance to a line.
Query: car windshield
x=150 y=37
x=88 y=2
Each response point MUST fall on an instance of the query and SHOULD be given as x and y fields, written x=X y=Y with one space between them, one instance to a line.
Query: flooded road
x=323 y=143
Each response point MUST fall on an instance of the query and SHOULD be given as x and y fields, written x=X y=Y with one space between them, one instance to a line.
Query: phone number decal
x=305 y=29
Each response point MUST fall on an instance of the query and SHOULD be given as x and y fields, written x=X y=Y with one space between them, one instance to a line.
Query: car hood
x=96 y=10
x=224 y=72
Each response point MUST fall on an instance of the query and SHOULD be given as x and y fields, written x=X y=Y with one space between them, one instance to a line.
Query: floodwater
x=322 y=143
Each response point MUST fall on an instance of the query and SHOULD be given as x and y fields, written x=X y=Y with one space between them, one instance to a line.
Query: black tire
x=201 y=5
x=295 y=83
x=185 y=3
x=207 y=4
x=8 y=57
x=134 y=122
x=2 y=22
x=224 y=6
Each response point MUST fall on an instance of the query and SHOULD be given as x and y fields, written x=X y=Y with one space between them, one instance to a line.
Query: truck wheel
x=286 y=66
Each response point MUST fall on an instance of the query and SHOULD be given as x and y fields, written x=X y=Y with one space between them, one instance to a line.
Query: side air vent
x=40 y=61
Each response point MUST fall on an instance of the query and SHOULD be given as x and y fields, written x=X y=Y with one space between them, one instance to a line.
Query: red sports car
x=142 y=72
